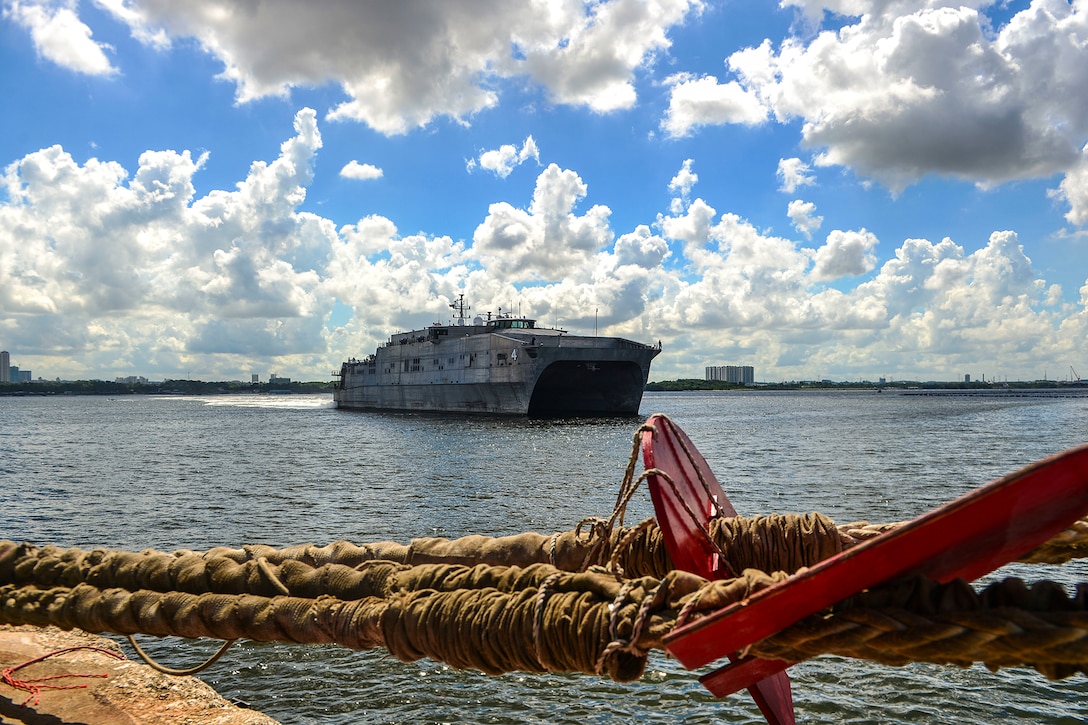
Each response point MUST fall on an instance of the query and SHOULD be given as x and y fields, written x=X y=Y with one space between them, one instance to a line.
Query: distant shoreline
x=914 y=387
x=1035 y=388
x=166 y=387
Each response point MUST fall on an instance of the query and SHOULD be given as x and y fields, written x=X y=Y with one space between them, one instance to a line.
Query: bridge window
x=512 y=324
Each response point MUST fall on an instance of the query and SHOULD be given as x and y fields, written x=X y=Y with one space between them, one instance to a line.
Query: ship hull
x=436 y=398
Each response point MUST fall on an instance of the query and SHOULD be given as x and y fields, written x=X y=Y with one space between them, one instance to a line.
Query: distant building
x=132 y=380
x=5 y=367
x=254 y=378
x=739 y=374
x=15 y=375
x=274 y=379
x=967 y=378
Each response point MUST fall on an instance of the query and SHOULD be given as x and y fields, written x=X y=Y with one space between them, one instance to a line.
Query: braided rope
x=640 y=551
x=538 y=615
x=770 y=543
x=500 y=619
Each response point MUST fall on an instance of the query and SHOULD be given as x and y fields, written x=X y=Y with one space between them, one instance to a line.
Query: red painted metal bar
x=965 y=538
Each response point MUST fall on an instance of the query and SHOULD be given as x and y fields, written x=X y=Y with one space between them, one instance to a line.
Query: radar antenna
x=460 y=306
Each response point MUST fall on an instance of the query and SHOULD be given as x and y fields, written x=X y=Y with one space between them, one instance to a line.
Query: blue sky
x=835 y=189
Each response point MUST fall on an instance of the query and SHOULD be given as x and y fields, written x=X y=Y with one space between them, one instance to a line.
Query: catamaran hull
x=541 y=381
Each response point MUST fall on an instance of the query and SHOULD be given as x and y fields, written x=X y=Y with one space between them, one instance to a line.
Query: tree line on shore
x=699 y=384
x=166 y=387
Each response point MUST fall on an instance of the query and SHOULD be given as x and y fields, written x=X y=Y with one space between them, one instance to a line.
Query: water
x=181 y=472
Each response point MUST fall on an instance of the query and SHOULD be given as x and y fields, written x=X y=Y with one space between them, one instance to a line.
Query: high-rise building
x=742 y=374
x=5 y=367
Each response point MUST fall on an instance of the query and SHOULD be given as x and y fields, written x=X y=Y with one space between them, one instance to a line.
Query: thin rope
x=687 y=509
x=629 y=644
x=266 y=569
x=551 y=549
x=624 y=544
x=34 y=685
x=629 y=473
x=687 y=609
x=538 y=614
x=698 y=471
x=179 y=673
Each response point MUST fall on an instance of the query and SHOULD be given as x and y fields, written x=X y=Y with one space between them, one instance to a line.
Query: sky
x=839 y=190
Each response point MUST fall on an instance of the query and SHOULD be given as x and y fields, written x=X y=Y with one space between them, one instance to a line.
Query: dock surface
x=131 y=693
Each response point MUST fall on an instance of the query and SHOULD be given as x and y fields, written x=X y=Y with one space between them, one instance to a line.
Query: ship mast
x=460 y=307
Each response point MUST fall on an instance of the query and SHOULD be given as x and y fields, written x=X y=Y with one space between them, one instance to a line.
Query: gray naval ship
x=503 y=365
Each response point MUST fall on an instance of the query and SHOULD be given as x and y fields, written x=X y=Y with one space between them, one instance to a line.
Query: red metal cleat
x=685 y=500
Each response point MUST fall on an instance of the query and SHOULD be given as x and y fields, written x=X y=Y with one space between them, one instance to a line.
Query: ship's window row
x=429 y=363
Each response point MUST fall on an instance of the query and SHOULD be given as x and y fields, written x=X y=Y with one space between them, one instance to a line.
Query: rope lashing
x=537 y=618
x=768 y=543
x=481 y=617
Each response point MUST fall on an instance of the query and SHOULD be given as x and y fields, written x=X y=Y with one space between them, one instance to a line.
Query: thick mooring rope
x=776 y=542
x=768 y=543
x=495 y=619
x=536 y=618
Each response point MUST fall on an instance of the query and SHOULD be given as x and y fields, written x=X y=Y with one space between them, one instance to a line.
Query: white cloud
x=593 y=62
x=392 y=282
x=794 y=173
x=906 y=89
x=403 y=65
x=684 y=180
x=695 y=102
x=147 y=261
x=948 y=309
x=641 y=248
x=932 y=310
x=1073 y=189
x=741 y=279
x=844 y=254
x=354 y=170
x=107 y=272
x=941 y=281
x=504 y=159
x=547 y=241
x=803 y=216
x=131 y=15
x=60 y=36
